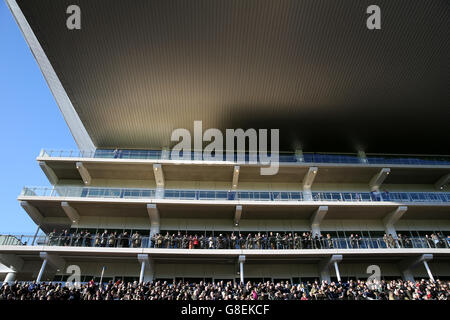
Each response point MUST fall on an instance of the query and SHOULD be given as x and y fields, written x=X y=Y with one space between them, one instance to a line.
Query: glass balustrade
x=284 y=157
x=128 y=193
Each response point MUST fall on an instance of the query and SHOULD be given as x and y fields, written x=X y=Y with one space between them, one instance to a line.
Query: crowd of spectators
x=351 y=290
x=257 y=240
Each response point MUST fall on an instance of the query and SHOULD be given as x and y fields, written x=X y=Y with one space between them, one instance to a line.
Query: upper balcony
x=293 y=168
x=70 y=204
x=284 y=157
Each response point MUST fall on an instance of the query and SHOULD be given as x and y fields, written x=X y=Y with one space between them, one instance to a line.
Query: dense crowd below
x=352 y=290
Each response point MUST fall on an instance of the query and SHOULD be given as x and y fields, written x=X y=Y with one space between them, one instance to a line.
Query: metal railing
x=207 y=243
x=284 y=157
x=130 y=193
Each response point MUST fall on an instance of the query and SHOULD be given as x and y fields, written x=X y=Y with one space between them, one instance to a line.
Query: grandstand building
x=325 y=82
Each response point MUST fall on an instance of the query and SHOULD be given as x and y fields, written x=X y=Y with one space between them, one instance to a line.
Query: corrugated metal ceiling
x=138 y=69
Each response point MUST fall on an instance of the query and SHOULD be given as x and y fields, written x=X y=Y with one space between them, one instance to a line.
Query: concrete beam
x=11 y=261
x=408 y=265
x=33 y=212
x=443 y=182
x=237 y=215
x=159 y=175
x=309 y=178
x=159 y=180
x=84 y=173
x=378 y=179
x=235 y=181
x=71 y=212
x=53 y=260
x=324 y=266
x=316 y=219
x=391 y=219
x=153 y=214
x=49 y=173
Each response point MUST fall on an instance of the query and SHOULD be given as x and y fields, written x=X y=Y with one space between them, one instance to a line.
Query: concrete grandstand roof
x=139 y=69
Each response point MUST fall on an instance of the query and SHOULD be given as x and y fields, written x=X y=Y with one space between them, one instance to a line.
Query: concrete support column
x=324 y=267
x=41 y=271
x=159 y=180
x=430 y=275
x=391 y=219
x=378 y=179
x=336 y=268
x=317 y=218
x=143 y=259
x=153 y=214
x=308 y=181
x=410 y=264
x=241 y=267
x=10 y=278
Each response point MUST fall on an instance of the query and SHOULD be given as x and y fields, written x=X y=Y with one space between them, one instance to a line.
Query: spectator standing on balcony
x=352 y=241
x=391 y=241
x=78 y=239
x=329 y=241
x=233 y=241
x=278 y=241
x=211 y=242
x=167 y=240
x=104 y=238
x=441 y=240
x=258 y=240
x=136 y=240
x=272 y=241
x=429 y=240
x=358 y=241
x=98 y=239
x=124 y=240
x=53 y=238
x=65 y=238
x=87 y=238
x=386 y=240
x=400 y=240
x=195 y=242
x=112 y=238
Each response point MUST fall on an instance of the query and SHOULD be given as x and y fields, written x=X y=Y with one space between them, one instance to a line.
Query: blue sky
x=30 y=120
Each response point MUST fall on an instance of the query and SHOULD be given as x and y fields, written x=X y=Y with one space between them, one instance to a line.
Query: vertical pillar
x=141 y=275
x=144 y=260
x=241 y=267
x=336 y=268
x=41 y=272
x=425 y=263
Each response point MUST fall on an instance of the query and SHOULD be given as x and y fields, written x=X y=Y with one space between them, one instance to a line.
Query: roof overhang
x=137 y=70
